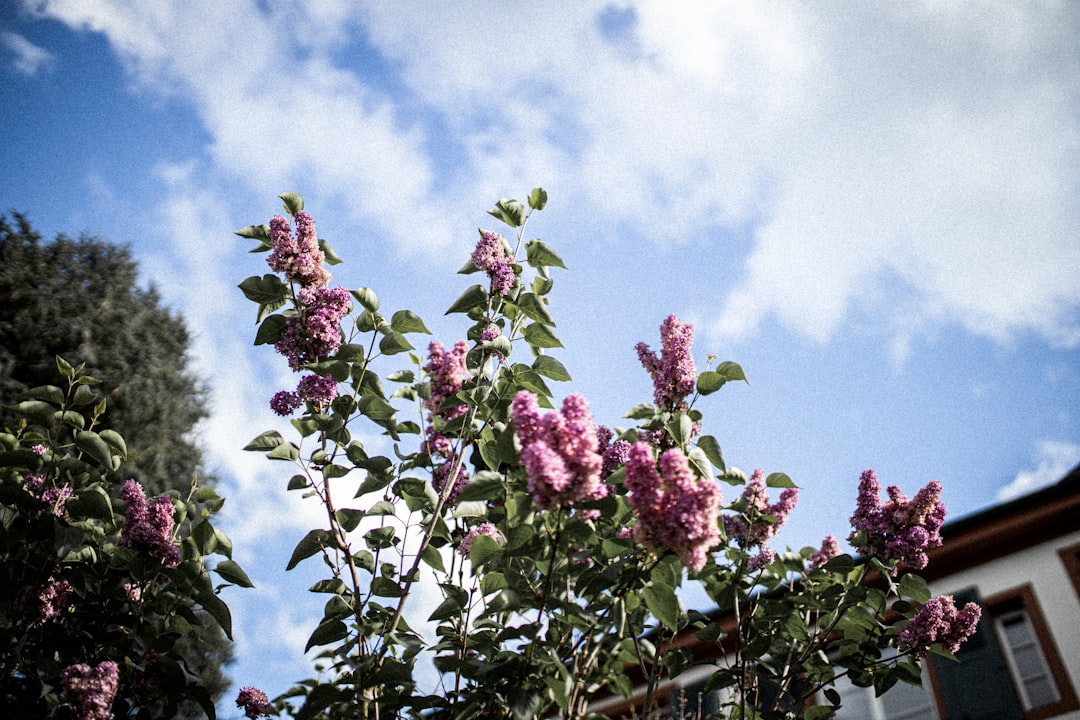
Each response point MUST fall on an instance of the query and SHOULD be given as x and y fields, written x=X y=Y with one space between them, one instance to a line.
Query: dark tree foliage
x=79 y=299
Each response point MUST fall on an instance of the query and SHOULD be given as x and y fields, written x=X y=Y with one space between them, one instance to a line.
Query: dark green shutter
x=978 y=686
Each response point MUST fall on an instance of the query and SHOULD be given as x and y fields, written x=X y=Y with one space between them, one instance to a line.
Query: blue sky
x=873 y=207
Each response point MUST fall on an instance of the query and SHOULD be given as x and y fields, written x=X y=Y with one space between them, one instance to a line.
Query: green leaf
x=534 y=307
x=509 y=211
x=232 y=572
x=64 y=368
x=731 y=371
x=265 y=290
x=709 y=382
x=367 y=298
x=644 y=411
x=328 y=253
x=266 y=441
x=93 y=502
x=271 y=330
x=48 y=393
x=538 y=198
x=433 y=558
x=663 y=604
x=538 y=254
x=483 y=549
x=311 y=544
x=484 y=485
x=255 y=232
x=285 y=451
x=779 y=480
x=701 y=463
x=550 y=367
x=218 y=610
x=406 y=321
x=540 y=335
x=114 y=441
x=711 y=448
x=329 y=631
x=36 y=411
x=385 y=587
x=349 y=518
x=473 y=297
x=393 y=342
x=376 y=408
x=914 y=587
x=91 y=443
x=447 y=609
x=84 y=396
x=293 y=202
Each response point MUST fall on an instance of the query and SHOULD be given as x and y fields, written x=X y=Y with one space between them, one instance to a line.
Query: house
x=1021 y=562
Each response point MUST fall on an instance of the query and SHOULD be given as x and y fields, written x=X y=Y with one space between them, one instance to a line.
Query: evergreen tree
x=79 y=299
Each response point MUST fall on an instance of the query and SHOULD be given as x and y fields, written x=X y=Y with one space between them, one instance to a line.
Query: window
x=1038 y=674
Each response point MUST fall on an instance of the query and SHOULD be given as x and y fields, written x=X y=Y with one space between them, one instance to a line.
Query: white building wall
x=1042 y=567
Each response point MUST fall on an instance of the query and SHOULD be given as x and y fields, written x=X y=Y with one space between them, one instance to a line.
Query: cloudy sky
x=873 y=207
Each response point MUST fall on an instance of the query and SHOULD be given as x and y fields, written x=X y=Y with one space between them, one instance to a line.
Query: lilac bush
x=557 y=549
x=578 y=536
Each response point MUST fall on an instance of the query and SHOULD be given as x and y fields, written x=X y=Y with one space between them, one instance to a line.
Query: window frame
x=1023 y=598
x=1070 y=557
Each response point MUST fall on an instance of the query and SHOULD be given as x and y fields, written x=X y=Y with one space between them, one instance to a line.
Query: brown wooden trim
x=1070 y=556
x=1023 y=597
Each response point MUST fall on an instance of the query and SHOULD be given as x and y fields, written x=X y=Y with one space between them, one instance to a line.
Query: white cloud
x=1054 y=460
x=931 y=143
x=26 y=58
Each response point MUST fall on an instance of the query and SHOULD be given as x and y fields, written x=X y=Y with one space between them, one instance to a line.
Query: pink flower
x=254 y=702
x=441 y=475
x=559 y=451
x=490 y=256
x=53 y=598
x=760 y=521
x=830 y=548
x=938 y=621
x=673 y=371
x=90 y=690
x=148 y=528
x=483 y=529
x=315 y=333
x=447 y=371
x=900 y=530
x=300 y=259
x=676 y=510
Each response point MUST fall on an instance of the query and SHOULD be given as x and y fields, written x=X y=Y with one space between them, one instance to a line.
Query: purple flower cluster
x=310 y=336
x=485 y=529
x=148 y=528
x=299 y=258
x=314 y=333
x=490 y=256
x=53 y=599
x=559 y=451
x=830 y=548
x=614 y=452
x=938 y=621
x=900 y=530
x=316 y=389
x=447 y=371
x=676 y=510
x=54 y=497
x=90 y=690
x=440 y=476
x=254 y=702
x=761 y=520
x=673 y=371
